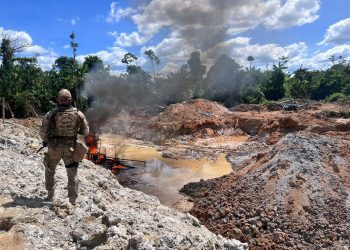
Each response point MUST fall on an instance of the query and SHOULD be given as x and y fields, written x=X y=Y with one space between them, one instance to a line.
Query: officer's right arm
x=44 y=129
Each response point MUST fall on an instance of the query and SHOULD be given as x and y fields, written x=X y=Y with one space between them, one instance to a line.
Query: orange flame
x=91 y=141
x=117 y=167
x=98 y=157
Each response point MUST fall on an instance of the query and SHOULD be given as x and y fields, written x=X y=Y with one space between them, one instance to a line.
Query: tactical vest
x=64 y=123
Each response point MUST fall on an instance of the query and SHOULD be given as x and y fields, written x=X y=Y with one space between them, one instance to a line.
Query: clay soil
x=290 y=186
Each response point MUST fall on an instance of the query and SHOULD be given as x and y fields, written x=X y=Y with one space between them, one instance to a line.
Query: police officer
x=59 y=131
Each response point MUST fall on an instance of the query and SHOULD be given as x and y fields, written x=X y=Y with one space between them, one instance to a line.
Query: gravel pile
x=108 y=216
x=293 y=196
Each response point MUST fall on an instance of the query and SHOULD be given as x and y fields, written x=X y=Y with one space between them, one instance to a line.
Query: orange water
x=162 y=177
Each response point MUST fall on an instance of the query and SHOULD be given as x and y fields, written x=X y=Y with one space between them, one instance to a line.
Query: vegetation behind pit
x=29 y=90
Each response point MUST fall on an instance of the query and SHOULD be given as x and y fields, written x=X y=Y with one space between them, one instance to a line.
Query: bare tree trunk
x=154 y=74
x=3 y=113
x=33 y=110
x=9 y=108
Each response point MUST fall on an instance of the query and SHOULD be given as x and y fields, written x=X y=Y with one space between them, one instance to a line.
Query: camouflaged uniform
x=59 y=129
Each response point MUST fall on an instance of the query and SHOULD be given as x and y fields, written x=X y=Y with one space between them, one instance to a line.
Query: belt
x=73 y=138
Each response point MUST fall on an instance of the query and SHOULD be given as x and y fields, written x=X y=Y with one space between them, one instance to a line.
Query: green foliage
x=73 y=44
x=152 y=56
x=7 y=52
x=273 y=88
x=93 y=63
x=224 y=81
x=252 y=95
x=129 y=58
x=338 y=97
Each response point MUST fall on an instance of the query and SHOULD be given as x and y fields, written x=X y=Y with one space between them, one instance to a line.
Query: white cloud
x=66 y=46
x=46 y=61
x=266 y=54
x=338 y=33
x=20 y=36
x=173 y=51
x=44 y=56
x=62 y=20
x=129 y=40
x=74 y=21
x=208 y=22
x=111 y=57
x=241 y=47
x=34 y=50
x=294 y=13
x=112 y=33
x=321 y=59
x=115 y=13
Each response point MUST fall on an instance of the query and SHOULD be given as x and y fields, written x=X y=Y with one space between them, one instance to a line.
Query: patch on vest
x=66 y=124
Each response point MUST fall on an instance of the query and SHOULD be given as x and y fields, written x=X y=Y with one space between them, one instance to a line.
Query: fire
x=100 y=158
x=91 y=142
x=118 y=167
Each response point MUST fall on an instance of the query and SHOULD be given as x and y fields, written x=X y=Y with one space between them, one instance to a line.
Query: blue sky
x=307 y=31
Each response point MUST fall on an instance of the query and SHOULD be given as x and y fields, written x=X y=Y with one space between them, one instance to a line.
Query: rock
x=195 y=221
x=208 y=132
x=96 y=199
x=279 y=237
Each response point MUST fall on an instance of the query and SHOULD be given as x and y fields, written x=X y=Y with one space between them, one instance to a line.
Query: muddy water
x=161 y=177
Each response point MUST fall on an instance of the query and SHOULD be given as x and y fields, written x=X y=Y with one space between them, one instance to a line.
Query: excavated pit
x=269 y=200
x=164 y=173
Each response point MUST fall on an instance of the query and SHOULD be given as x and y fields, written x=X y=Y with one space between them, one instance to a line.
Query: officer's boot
x=50 y=195
x=73 y=201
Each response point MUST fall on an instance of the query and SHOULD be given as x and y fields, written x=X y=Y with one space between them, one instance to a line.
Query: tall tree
x=153 y=58
x=8 y=48
x=73 y=44
x=196 y=67
x=93 y=63
x=250 y=59
x=130 y=60
x=224 y=80
x=273 y=89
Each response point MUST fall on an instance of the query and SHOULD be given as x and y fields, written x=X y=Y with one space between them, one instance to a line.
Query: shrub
x=338 y=97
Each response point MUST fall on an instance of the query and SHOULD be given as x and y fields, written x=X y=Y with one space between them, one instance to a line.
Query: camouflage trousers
x=54 y=154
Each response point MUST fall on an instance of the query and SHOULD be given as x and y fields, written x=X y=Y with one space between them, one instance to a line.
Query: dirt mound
x=257 y=107
x=248 y=107
x=202 y=118
x=190 y=117
x=296 y=195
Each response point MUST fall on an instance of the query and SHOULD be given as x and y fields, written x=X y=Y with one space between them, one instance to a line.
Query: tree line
x=30 y=91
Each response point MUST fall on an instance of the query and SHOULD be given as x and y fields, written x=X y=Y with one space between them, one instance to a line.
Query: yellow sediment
x=204 y=168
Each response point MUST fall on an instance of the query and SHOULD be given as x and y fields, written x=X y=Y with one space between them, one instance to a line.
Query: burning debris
x=95 y=155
